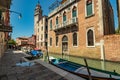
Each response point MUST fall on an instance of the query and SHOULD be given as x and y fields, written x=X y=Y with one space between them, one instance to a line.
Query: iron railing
x=66 y=23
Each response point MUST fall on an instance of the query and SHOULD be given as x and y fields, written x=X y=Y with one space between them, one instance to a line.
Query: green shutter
x=64 y=18
x=56 y=21
x=89 y=9
x=74 y=13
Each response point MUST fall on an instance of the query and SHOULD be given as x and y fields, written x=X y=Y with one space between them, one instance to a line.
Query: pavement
x=39 y=71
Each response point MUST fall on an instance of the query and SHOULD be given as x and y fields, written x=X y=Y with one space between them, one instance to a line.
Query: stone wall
x=112 y=47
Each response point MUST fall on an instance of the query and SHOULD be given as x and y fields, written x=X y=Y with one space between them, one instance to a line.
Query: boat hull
x=81 y=70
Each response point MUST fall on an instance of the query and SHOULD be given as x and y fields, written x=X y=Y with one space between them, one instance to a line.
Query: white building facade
x=40 y=28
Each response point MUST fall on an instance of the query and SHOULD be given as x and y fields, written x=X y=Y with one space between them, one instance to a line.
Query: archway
x=64 y=45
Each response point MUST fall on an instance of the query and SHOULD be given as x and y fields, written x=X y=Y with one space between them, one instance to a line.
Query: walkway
x=39 y=71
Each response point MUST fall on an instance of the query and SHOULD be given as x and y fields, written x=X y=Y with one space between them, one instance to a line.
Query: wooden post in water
x=90 y=78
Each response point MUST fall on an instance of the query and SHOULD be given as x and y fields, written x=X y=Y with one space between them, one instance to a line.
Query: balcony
x=65 y=4
x=69 y=23
x=4 y=28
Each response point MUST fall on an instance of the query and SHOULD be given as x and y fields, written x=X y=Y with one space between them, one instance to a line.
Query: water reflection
x=103 y=65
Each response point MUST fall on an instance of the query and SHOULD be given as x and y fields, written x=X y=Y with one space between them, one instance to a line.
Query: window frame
x=73 y=11
x=64 y=17
x=93 y=37
x=73 y=39
x=57 y=21
x=87 y=16
x=57 y=41
x=51 y=24
x=50 y=41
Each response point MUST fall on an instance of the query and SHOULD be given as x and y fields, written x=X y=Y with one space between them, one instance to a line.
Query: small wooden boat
x=82 y=71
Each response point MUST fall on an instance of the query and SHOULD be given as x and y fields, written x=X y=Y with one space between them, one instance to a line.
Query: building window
x=57 y=41
x=50 y=24
x=46 y=36
x=50 y=41
x=38 y=38
x=74 y=12
x=56 y=20
x=41 y=36
x=64 y=16
x=89 y=7
x=90 y=38
x=46 y=28
x=41 y=44
x=42 y=28
x=38 y=29
x=75 y=39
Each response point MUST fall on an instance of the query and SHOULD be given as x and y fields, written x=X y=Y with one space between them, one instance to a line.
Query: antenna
x=54 y=5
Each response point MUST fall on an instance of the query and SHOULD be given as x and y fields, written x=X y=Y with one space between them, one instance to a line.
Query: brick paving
x=8 y=70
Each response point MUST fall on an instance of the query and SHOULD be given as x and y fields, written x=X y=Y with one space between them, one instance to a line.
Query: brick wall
x=112 y=47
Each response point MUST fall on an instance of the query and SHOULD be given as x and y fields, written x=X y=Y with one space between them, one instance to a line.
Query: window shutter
x=89 y=9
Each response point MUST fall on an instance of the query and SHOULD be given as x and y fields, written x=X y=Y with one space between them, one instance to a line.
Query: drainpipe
x=102 y=50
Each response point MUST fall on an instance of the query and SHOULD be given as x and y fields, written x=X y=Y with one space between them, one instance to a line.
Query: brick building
x=21 y=40
x=32 y=40
x=5 y=27
x=40 y=28
x=77 y=27
x=26 y=42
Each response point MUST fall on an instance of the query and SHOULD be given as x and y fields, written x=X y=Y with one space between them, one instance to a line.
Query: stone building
x=77 y=27
x=5 y=27
x=40 y=28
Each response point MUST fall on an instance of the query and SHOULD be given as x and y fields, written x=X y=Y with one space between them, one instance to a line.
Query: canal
x=98 y=64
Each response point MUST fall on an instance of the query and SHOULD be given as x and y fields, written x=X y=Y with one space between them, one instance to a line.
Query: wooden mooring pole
x=90 y=78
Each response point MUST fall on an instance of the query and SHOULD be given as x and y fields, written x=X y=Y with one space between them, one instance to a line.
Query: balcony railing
x=4 y=28
x=61 y=7
x=68 y=23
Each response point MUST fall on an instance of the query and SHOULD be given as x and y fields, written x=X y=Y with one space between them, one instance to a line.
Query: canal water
x=98 y=64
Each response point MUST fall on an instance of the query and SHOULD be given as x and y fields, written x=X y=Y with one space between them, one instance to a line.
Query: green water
x=103 y=65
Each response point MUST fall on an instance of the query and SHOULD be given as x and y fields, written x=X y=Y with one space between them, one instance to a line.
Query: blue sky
x=25 y=25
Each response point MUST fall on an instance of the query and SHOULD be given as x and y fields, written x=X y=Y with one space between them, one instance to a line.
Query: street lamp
x=20 y=15
x=5 y=10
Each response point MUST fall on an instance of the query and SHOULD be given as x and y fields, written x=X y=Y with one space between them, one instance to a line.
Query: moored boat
x=81 y=70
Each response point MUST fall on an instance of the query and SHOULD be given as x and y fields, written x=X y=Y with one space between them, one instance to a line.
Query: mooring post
x=90 y=78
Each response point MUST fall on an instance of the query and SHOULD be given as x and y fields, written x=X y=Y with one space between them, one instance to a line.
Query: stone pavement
x=9 y=70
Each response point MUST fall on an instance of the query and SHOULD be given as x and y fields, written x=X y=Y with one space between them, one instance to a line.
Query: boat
x=82 y=71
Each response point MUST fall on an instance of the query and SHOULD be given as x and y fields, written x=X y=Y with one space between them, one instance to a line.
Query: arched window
x=74 y=12
x=64 y=16
x=90 y=38
x=75 y=39
x=64 y=39
x=89 y=7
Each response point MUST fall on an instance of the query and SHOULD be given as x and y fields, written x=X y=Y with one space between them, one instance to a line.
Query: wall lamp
x=5 y=10
x=20 y=15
